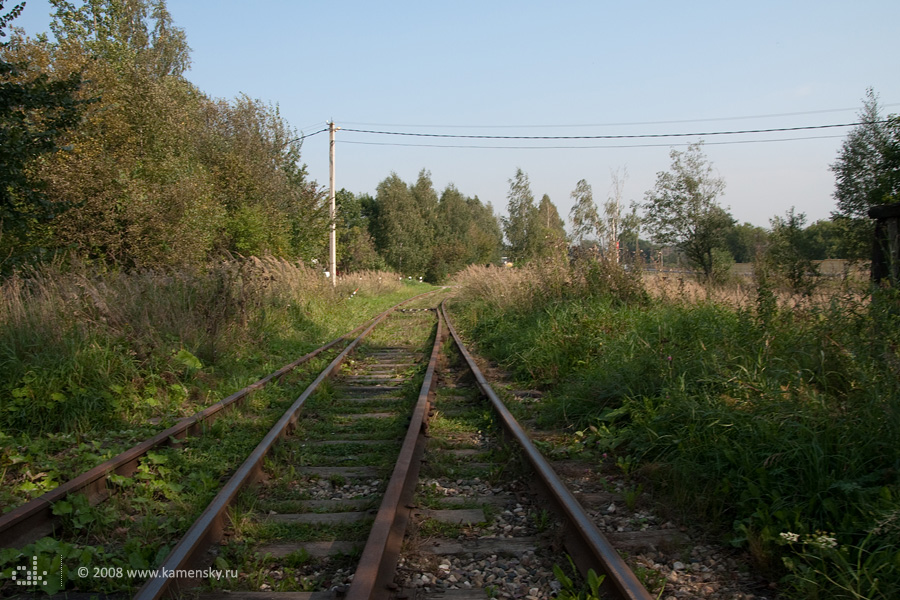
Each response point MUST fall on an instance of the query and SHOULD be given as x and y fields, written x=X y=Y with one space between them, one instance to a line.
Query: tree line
x=107 y=152
x=110 y=153
x=410 y=229
x=683 y=212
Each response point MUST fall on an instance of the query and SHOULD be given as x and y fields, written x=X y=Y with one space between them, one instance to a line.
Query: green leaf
x=62 y=508
x=188 y=359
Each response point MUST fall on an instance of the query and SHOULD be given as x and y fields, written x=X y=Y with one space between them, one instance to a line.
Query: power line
x=618 y=124
x=584 y=147
x=605 y=137
x=316 y=124
x=303 y=137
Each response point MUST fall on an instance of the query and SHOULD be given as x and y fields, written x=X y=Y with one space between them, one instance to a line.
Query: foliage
x=467 y=232
x=867 y=174
x=35 y=110
x=81 y=349
x=521 y=224
x=155 y=173
x=551 y=230
x=415 y=231
x=611 y=229
x=759 y=422
x=746 y=242
x=824 y=241
x=682 y=209
x=616 y=225
x=399 y=229
x=125 y=33
x=584 y=216
x=532 y=232
x=791 y=253
x=864 y=570
x=355 y=247
x=569 y=591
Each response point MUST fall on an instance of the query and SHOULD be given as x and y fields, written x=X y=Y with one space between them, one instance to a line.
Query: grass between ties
x=776 y=421
x=288 y=490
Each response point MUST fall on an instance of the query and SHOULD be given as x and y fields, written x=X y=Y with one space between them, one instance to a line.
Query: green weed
x=632 y=495
x=569 y=591
x=760 y=420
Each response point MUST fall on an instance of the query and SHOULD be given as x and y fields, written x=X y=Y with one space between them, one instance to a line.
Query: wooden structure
x=886 y=247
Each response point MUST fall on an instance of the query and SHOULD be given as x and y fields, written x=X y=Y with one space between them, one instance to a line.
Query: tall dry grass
x=743 y=293
x=79 y=345
x=521 y=288
x=368 y=282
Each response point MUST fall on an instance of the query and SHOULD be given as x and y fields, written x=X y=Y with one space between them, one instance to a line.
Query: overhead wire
x=582 y=147
x=316 y=124
x=309 y=135
x=304 y=136
x=605 y=137
x=617 y=124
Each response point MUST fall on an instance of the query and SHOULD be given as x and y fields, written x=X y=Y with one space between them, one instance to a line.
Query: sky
x=520 y=68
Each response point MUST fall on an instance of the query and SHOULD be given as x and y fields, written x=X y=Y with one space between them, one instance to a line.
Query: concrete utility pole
x=332 y=237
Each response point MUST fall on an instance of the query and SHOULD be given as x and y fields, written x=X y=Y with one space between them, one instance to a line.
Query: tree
x=631 y=235
x=35 y=110
x=520 y=226
x=485 y=237
x=608 y=228
x=584 y=216
x=867 y=173
x=745 y=242
x=401 y=235
x=157 y=174
x=682 y=208
x=125 y=34
x=824 y=240
x=469 y=234
x=550 y=238
x=355 y=246
x=791 y=253
x=612 y=211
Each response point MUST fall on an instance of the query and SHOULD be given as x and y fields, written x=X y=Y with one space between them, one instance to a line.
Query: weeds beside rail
x=767 y=418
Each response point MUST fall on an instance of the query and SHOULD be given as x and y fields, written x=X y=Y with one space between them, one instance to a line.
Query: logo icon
x=29 y=577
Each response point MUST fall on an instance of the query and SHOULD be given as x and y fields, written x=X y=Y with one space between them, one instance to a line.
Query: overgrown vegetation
x=777 y=425
x=145 y=170
x=89 y=359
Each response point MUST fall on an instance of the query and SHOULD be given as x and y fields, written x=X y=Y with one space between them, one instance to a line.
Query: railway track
x=35 y=519
x=320 y=507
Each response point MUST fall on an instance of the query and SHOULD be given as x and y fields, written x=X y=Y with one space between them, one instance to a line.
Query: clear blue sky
x=555 y=68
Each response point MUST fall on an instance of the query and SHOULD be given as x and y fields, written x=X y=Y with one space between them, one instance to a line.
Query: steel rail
x=208 y=528
x=589 y=547
x=378 y=561
x=29 y=522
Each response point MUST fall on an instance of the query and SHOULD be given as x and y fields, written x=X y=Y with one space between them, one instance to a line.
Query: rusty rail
x=588 y=546
x=208 y=528
x=378 y=562
x=34 y=519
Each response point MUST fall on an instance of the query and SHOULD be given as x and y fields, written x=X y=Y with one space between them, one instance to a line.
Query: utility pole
x=332 y=237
